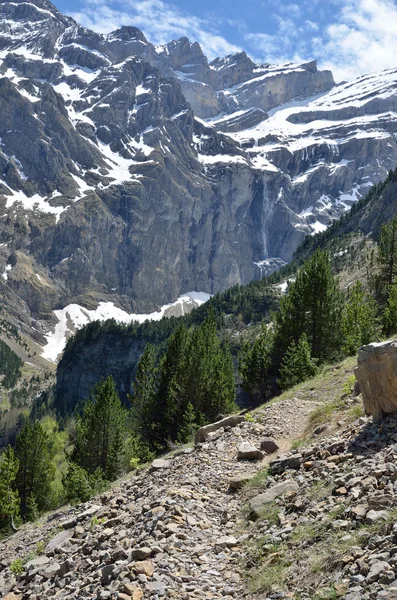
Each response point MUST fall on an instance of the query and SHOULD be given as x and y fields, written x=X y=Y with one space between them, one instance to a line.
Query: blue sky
x=352 y=37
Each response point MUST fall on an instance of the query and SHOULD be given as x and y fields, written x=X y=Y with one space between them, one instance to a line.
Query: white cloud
x=361 y=38
x=159 y=21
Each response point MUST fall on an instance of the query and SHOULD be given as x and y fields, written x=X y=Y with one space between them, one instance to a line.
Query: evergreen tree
x=189 y=425
x=359 y=324
x=312 y=306
x=100 y=431
x=388 y=251
x=80 y=486
x=146 y=412
x=169 y=398
x=9 y=499
x=207 y=378
x=297 y=364
x=36 y=469
x=255 y=364
x=390 y=314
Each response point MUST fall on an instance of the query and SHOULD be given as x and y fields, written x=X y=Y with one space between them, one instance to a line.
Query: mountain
x=131 y=173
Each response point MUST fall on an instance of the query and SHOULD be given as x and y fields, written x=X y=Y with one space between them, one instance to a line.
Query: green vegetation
x=9 y=499
x=190 y=384
x=297 y=364
x=100 y=431
x=10 y=366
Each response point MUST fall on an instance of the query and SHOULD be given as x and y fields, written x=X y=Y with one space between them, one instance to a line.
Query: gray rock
x=268 y=445
x=203 y=433
x=246 y=451
x=284 y=488
x=376 y=366
x=283 y=464
x=239 y=481
x=376 y=570
x=160 y=463
x=141 y=553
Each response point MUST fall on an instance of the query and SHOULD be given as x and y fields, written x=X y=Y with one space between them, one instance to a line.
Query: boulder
x=239 y=481
x=283 y=464
x=268 y=445
x=203 y=433
x=376 y=374
x=160 y=463
x=284 y=488
x=246 y=451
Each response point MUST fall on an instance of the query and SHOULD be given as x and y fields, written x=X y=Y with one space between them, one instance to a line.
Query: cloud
x=159 y=21
x=360 y=37
x=363 y=39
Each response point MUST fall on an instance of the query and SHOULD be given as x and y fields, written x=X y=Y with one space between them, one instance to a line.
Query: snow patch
x=73 y=317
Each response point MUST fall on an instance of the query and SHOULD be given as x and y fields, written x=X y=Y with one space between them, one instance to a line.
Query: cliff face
x=130 y=173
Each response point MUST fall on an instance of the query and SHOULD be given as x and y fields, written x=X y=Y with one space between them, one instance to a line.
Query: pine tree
x=312 y=306
x=207 y=379
x=255 y=364
x=388 y=251
x=297 y=364
x=9 y=499
x=146 y=412
x=359 y=324
x=390 y=314
x=100 y=431
x=189 y=425
x=36 y=469
x=169 y=398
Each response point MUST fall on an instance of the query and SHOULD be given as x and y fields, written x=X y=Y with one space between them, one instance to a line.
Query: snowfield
x=74 y=317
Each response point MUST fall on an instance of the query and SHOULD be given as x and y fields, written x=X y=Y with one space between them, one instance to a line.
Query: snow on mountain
x=73 y=317
x=129 y=172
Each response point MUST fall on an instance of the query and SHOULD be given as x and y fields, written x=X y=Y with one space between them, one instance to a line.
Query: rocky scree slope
x=170 y=531
x=130 y=173
x=237 y=516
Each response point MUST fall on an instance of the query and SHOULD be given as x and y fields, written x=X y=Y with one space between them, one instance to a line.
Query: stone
x=13 y=596
x=156 y=586
x=360 y=511
x=376 y=375
x=160 y=463
x=37 y=563
x=141 y=553
x=247 y=451
x=374 y=515
x=376 y=569
x=268 y=445
x=203 y=433
x=284 y=488
x=59 y=540
x=239 y=481
x=283 y=464
x=132 y=591
x=144 y=567
x=51 y=571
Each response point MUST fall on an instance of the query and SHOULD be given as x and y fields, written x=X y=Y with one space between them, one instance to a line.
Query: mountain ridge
x=131 y=173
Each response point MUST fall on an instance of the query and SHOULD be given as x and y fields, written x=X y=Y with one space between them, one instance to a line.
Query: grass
x=269 y=578
x=324 y=413
x=270 y=513
x=258 y=482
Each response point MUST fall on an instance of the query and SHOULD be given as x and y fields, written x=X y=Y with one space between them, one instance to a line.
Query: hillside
x=177 y=528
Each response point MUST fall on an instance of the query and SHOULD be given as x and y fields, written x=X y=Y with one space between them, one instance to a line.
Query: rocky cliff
x=130 y=174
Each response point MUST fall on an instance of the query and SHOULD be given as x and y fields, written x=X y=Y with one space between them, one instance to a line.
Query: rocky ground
x=167 y=532
x=227 y=520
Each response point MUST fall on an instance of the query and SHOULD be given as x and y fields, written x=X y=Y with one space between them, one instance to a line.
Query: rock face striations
x=131 y=173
